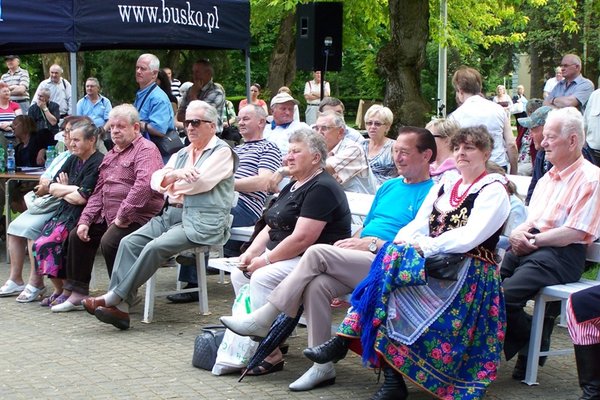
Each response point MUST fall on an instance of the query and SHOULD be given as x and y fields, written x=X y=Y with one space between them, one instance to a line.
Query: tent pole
x=247 y=55
x=73 y=66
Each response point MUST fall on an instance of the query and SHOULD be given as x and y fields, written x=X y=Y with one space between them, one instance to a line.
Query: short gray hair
x=60 y=69
x=571 y=121
x=315 y=142
x=210 y=113
x=95 y=80
x=257 y=110
x=153 y=61
x=126 y=111
x=46 y=92
x=338 y=119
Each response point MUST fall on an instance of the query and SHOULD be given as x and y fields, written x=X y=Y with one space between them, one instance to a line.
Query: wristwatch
x=373 y=246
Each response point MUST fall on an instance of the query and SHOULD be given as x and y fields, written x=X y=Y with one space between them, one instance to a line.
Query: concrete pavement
x=74 y=356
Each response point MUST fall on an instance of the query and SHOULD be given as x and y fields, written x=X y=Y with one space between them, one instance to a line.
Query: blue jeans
x=242 y=216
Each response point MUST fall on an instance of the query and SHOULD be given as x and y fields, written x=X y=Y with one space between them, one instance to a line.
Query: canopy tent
x=47 y=26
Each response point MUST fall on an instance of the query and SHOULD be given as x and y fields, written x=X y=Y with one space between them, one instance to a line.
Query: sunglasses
x=196 y=122
x=376 y=124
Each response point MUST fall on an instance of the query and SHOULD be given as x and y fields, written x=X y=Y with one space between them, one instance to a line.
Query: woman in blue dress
x=443 y=334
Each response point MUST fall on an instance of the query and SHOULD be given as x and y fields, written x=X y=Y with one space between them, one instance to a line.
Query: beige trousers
x=323 y=273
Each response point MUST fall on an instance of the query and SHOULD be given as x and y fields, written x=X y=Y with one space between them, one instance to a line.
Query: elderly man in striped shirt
x=550 y=247
x=259 y=159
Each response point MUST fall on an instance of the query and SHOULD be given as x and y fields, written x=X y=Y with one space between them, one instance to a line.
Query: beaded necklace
x=455 y=199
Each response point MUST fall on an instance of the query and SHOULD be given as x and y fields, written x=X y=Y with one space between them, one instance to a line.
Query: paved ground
x=73 y=356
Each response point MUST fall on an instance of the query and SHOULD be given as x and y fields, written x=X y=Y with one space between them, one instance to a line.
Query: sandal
x=266 y=367
x=30 y=293
x=10 y=288
x=47 y=301
x=59 y=300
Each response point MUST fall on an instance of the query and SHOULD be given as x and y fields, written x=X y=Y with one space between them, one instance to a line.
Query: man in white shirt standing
x=60 y=90
x=475 y=110
x=592 y=125
x=550 y=83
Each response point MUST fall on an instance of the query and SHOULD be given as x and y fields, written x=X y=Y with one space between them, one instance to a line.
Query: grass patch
x=592 y=273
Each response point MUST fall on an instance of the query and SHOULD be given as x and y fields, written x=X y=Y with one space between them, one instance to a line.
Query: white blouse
x=490 y=211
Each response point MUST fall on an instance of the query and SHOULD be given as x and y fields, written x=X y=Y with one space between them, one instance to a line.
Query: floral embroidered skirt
x=457 y=354
x=49 y=250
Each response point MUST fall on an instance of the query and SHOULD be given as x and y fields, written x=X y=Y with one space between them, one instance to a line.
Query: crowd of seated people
x=436 y=193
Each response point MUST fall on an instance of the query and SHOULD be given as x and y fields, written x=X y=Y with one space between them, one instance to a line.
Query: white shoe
x=245 y=326
x=10 y=288
x=66 y=307
x=316 y=376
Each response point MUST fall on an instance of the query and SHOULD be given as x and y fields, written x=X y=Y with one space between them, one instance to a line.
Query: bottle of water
x=11 y=164
x=2 y=160
x=50 y=155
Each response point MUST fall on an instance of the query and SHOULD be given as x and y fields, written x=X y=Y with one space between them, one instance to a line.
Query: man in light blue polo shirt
x=574 y=90
x=94 y=105
x=156 y=112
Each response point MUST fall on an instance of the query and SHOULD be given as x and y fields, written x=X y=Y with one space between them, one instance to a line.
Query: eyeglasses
x=376 y=124
x=439 y=136
x=566 y=65
x=196 y=122
x=322 y=128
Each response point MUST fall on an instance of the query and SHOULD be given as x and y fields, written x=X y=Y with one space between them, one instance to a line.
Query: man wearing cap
x=17 y=80
x=574 y=90
x=535 y=123
x=60 y=90
x=283 y=125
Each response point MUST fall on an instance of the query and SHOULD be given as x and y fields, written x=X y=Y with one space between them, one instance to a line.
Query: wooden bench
x=554 y=293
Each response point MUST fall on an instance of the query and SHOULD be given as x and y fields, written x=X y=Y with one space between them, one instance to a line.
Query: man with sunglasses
x=574 y=90
x=198 y=182
x=259 y=159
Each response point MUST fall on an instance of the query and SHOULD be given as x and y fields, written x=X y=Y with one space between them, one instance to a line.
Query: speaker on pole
x=319 y=29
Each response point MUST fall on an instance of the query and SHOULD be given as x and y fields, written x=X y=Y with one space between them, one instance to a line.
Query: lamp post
x=327 y=42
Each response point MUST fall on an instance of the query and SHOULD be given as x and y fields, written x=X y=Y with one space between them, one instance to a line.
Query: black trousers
x=524 y=276
x=80 y=254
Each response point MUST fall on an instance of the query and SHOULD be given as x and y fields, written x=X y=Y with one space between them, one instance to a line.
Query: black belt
x=21 y=101
x=176 y=205
x=63 y=115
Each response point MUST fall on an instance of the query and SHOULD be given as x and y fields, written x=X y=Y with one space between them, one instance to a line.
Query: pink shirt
x=569 y=198
x=123 y=189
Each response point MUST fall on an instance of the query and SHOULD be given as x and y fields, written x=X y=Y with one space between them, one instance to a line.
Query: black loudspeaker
x=318 y=24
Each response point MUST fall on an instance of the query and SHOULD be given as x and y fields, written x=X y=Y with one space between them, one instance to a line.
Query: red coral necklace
x=455 y=199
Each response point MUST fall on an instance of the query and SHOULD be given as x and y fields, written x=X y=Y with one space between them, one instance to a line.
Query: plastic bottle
x=11 y=164
x=2 y=160
x=50 y=155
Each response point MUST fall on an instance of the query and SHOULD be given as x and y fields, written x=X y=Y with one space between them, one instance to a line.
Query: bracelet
x=266 y=258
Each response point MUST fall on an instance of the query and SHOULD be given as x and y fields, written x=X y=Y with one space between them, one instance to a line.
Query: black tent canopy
x=47 y=26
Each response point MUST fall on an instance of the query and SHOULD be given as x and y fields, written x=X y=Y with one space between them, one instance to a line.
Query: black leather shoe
x=183 y=297
x=333 y=350
x=393 y=387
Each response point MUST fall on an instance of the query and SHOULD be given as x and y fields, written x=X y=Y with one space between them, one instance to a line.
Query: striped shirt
x=255 y=155
x=8 y=114
x=569 y=198
x=19 y=77
x=583 y=333
x=350 y=166
x=175 y=85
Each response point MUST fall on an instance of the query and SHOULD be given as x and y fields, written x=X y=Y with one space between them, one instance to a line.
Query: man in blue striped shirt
x=259 y=159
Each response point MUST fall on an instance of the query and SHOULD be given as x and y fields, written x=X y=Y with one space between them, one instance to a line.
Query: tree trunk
x=402 y=60
x=282 y=69
x=537 y=74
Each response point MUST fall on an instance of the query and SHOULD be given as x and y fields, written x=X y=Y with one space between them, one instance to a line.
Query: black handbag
x=206 y=346
x=168 y=144
x=444 y=266
x=230 y=132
